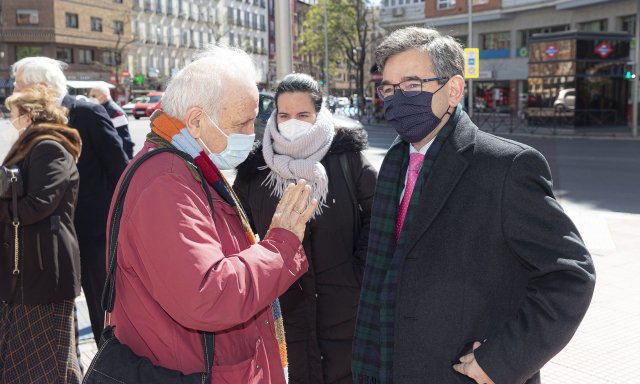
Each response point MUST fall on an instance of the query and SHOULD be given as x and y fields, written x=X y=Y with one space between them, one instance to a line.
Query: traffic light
x=629 y=75
x=321 y=82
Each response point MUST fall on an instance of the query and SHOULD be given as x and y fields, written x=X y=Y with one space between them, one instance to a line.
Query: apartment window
x=201 y=39
x=96 y=24
x=254 y=21
x=231 y=39
x=158 y=6
x=27 y=17
x=71 y=20
x=480 y=2
x=247 y=19
x=108 y=58
x=238 y=17
x=85 y=56
x=441 y=5
x=262 y=23
x=628 y=24
x=169 y=7
x=64 y=54
x=593 y=26
x=118 y=27
x=496 y=40
x=23 y=51
x=117 y=1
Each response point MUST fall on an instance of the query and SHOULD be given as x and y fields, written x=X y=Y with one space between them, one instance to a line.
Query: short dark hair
x=301 y=82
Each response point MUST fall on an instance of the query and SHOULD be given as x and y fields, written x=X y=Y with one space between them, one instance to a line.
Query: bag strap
x=13 y=180
x=344 y=164
x=109 y=289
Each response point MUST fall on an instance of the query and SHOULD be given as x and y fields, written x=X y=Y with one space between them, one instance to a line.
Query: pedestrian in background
x=185 y=266
x=468 y=246
x=101 y=163
x=102 y=95
x=40 y=274
x=302 y=141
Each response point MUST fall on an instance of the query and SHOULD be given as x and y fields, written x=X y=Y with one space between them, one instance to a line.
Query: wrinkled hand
x=294 y=209
x=468 y=366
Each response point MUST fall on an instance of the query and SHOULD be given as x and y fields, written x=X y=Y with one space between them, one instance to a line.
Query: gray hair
x=445 y=52
x=203 y=81
x=42 y=70
x=103 y=89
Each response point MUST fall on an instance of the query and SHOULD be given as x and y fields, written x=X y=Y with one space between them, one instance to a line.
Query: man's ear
x=456 y=90
x=193 y=121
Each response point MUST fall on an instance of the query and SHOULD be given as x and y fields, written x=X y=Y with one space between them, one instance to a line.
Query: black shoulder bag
x=115 y=363
x=11 y=186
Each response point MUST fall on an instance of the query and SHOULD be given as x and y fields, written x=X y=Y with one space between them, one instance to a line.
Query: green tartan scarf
x=372 y=360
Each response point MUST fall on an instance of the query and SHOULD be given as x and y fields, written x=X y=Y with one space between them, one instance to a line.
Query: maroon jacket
x=180 y=272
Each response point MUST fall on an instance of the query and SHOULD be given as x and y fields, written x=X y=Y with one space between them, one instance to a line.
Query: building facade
x=88 y=35
x=167 y=33
x=502 y=30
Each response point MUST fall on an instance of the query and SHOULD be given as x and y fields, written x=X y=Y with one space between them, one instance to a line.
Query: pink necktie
x=415 y=162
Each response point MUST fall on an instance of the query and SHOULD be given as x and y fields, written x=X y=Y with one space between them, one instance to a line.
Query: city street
x=597 y=181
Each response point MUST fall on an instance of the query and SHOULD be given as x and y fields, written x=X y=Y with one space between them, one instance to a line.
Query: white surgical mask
x=9 y=134
x=238 y=149
x=293 y=129
x=94 y=100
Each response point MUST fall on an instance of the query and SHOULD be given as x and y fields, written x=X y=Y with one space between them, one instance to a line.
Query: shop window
x=71 y=20
x=496 y=40
x=27 y=17
x=96 y=24
x=64 y=54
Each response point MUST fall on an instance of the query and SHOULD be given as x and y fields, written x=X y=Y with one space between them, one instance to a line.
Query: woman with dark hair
x=40 y=267
x=301 y=141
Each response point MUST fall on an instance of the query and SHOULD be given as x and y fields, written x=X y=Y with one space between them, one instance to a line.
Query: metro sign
x=552 y=51
x=603 y=50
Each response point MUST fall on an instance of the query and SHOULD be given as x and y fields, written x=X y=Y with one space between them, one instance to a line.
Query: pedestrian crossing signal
x=629 y=75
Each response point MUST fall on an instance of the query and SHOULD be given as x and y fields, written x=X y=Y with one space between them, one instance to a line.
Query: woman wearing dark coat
x=40 y=277
x=302 y=142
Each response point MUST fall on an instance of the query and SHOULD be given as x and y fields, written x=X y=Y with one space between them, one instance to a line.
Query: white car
x=566 y=100
x=128 y=108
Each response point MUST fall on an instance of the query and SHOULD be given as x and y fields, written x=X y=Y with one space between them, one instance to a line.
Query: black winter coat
x=319 y=310
x=49 y=258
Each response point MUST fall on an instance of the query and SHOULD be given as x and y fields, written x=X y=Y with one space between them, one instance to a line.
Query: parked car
x=140 y=109
x=152 y=108
x=566 y=100
x=128 y=108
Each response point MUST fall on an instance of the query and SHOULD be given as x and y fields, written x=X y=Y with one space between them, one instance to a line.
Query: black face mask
x=412 y=117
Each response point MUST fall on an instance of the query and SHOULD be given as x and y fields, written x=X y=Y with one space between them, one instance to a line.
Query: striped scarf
x=166 y=131
x=372 y=360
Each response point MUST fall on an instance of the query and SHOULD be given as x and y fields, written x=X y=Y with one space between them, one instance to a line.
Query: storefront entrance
x=577 y=79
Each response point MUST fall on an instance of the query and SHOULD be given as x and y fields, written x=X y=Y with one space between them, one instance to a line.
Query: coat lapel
x=447 y=170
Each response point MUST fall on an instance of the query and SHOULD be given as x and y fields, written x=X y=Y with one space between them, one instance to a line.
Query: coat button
x=266 y=322
x=257 y=366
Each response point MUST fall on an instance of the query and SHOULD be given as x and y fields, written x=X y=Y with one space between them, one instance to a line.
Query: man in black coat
x=474 y=273
x=102 y=96
x=101 y=163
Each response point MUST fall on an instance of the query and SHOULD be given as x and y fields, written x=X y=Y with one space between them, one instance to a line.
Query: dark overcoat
x=490 y=255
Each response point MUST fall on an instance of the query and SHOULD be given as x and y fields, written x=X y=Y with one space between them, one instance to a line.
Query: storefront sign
x=603 y=50
x=522 y=52
x=471 y=63
x=551 y=51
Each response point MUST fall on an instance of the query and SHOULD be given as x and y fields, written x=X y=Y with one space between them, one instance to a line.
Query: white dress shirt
x=423 y=152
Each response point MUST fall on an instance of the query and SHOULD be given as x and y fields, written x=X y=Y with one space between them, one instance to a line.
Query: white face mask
x=238 y=149
x=293 y=129
x=94 y=100
x=9 y=134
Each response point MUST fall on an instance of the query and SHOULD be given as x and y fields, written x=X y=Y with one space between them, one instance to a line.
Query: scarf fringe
x=319 y=190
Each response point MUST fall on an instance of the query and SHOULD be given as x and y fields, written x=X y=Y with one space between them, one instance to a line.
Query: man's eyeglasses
x=409 y=88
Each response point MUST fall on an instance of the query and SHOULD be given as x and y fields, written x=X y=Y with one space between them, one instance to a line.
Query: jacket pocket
x=249 y=371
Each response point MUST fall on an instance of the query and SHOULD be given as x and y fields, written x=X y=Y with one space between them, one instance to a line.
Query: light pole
x=470 y=45
x=284 y=52
x=326 y=55
x=634 y=127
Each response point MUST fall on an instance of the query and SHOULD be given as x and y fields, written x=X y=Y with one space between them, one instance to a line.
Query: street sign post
x=471 y=63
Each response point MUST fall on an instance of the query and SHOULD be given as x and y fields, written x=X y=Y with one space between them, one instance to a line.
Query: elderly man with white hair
x=187 y=261
x=101 y=163
x=102 y=95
